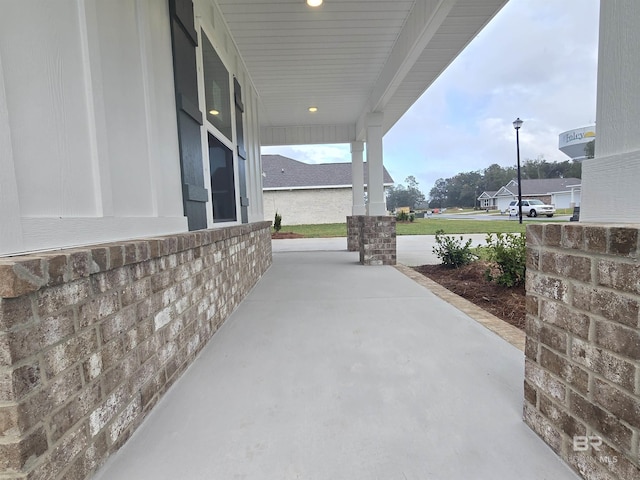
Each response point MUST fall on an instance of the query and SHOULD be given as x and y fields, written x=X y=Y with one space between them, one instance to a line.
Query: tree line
x=400 y=196
x=463 y=189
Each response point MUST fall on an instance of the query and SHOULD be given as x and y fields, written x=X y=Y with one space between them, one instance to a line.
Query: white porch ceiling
x=347 y=57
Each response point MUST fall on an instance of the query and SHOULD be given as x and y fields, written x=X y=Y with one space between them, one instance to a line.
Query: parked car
x=532 y=208
x=508 y=209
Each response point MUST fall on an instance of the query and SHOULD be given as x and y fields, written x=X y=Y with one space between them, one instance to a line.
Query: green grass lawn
x=419 y=227
x=564 y=211
x=431 y=225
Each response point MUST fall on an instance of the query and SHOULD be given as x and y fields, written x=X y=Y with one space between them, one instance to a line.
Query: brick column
x=582 y=367
x=377 y=240
x=353 y=233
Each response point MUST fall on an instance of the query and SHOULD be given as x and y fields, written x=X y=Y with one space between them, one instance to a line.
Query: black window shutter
x=242 y=154
x=184 y=42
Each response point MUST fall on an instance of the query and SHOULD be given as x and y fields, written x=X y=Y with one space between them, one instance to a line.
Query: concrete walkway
x=332 y=370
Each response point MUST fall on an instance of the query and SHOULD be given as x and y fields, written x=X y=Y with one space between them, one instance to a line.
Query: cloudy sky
x=536 y=60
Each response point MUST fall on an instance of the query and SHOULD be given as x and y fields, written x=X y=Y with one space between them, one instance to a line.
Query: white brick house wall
x=308 y=206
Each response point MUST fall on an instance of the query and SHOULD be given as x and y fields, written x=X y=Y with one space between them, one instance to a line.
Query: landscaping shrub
x=508 y=251
x=451 y=251
x=402 y=217
x=277 y=222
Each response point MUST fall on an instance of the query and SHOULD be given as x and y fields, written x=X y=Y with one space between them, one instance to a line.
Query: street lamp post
x=517 y=123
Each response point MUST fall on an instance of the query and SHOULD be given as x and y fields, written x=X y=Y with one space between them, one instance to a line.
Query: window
x=223 y=193
x=219 y=131
x=216 y=89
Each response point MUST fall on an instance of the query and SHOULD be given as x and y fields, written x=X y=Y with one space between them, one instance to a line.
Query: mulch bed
x=470 y=283
x=276 y=235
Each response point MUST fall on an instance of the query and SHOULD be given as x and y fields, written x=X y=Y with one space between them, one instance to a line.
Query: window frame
x=209 y=128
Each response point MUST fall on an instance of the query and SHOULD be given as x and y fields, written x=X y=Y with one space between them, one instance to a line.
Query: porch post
x=357 y=174
x=375 y=189
x=573 y=200
x=616 y=166
x=377 y=231
x=358 y=208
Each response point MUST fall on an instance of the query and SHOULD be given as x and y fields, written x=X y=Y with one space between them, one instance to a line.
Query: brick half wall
x=353 y=233
x=91 y=338
x=582 y=367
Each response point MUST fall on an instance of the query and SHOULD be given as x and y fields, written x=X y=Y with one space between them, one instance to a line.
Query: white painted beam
x=307 y=134
x=422 y=24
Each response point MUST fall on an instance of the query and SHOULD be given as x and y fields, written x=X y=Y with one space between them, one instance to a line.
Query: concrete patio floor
x=332 y=370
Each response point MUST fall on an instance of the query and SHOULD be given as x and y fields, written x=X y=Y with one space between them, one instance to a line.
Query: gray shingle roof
x=284 y=172
x=489 y=193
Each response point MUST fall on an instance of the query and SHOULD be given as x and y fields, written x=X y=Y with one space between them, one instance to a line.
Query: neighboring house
x=561 y=192
x=488 y=200
x=306 y=193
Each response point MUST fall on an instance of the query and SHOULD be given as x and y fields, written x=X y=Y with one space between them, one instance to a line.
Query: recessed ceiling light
x=214 y=112
x=313 y=109
x=314 y=3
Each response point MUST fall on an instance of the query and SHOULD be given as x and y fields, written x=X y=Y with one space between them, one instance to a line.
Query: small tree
x=277 y=222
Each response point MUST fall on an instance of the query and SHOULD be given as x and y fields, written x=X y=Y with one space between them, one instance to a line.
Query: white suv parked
x=532 y=208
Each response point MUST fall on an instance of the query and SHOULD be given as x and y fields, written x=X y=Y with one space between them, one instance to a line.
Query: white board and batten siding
x=88 y=136
x=610 y=180
x=88 y=108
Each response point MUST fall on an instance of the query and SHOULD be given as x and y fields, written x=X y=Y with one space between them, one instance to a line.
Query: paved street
x=494 y=216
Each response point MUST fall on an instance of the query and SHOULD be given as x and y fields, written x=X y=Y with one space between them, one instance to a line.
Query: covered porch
x=142 y=264
x=333 y=370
